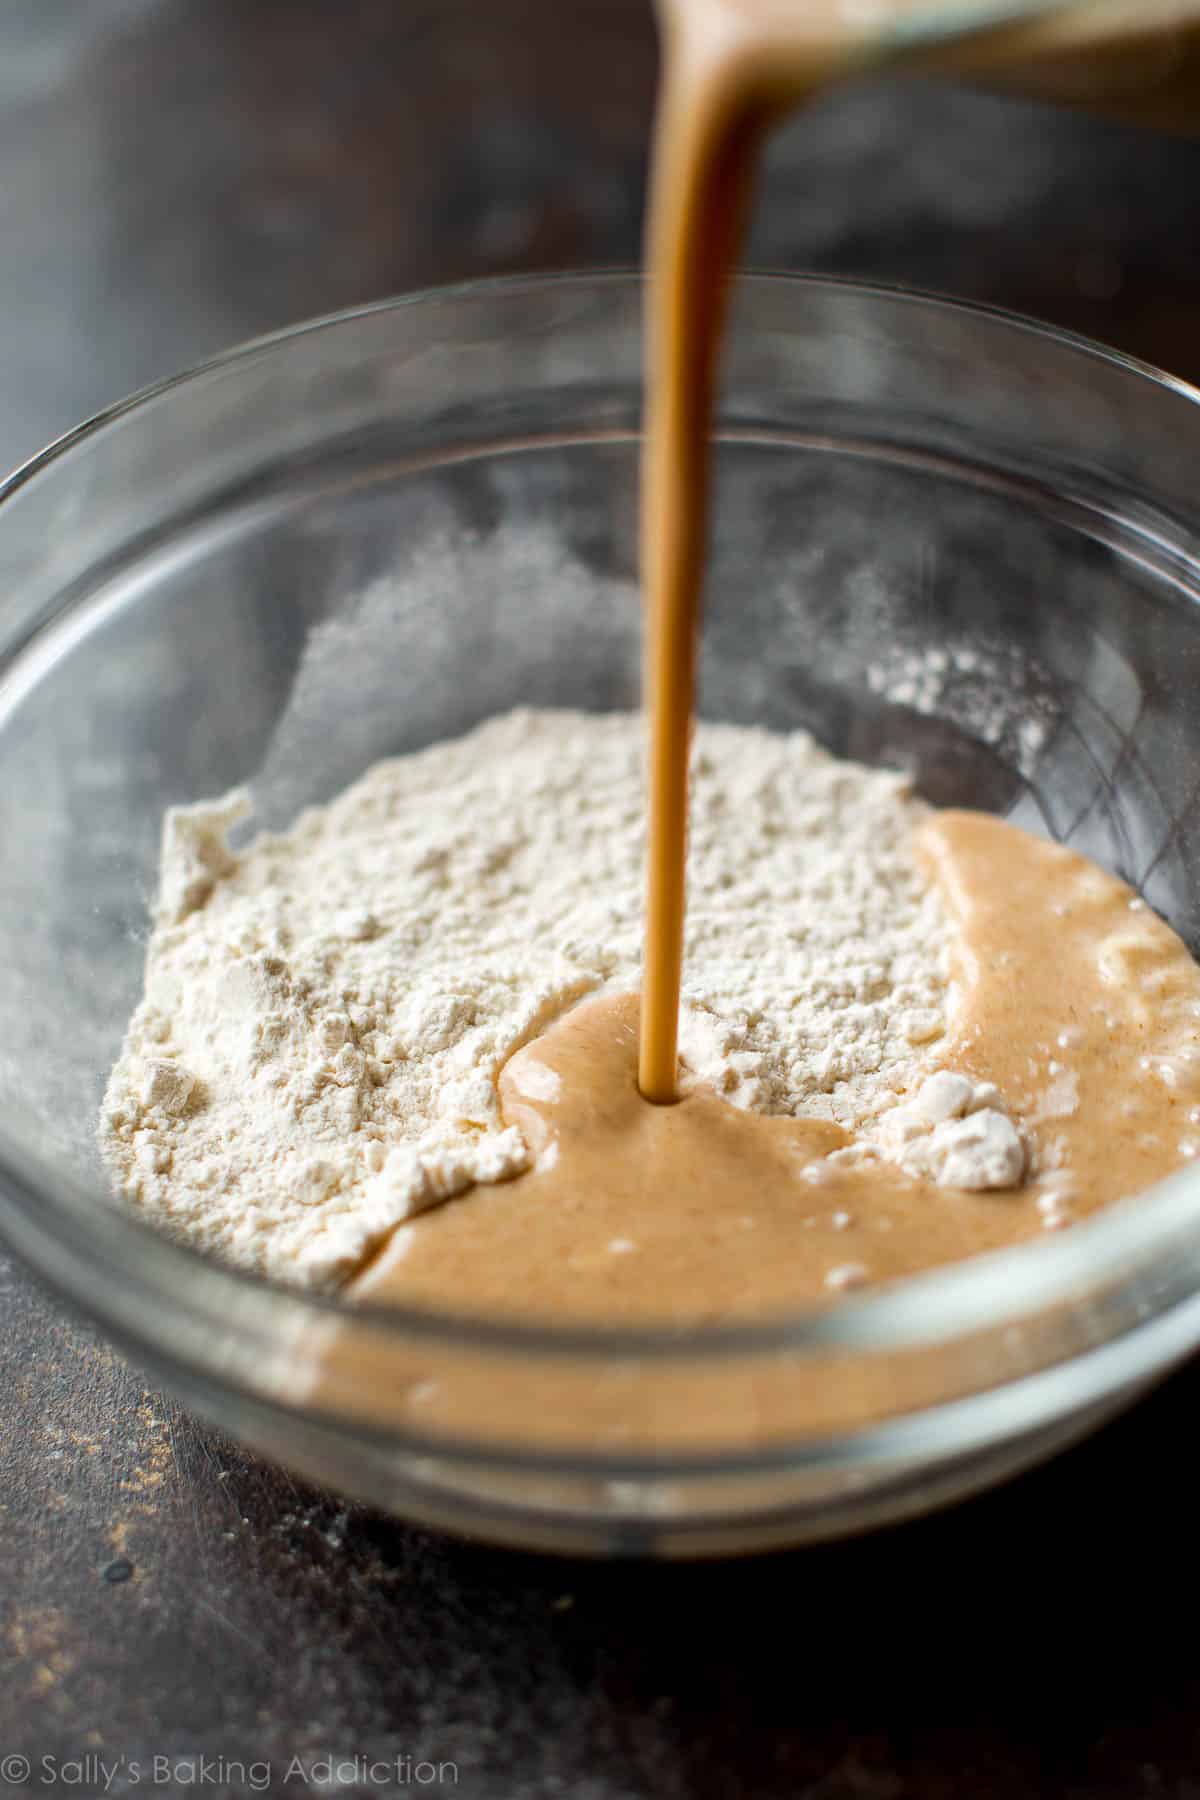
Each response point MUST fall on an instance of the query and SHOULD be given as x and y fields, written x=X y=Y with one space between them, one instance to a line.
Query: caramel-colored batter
x=730 y=66
x=1072 y=996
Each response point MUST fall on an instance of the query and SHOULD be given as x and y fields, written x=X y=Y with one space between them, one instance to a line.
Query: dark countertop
x=178 y=174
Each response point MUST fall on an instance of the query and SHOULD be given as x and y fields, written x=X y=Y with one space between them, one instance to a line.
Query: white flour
x=326 y=1012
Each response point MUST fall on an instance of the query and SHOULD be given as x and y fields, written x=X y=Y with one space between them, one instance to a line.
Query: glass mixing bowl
x=945 y=539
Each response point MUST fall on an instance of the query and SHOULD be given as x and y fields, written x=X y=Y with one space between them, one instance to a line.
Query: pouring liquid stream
x=703 y=1211
x=730 y=68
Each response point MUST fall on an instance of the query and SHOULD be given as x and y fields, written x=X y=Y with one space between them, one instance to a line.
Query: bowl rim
x=617 y=274
x=990 y=1291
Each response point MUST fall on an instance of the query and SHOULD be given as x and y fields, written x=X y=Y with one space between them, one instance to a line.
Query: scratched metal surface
x=177 y=174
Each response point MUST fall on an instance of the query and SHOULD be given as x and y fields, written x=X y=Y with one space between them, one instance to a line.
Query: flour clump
x=956 y=1132
x=326 y=1010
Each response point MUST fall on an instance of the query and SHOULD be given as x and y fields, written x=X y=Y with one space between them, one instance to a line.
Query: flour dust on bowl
x=946 y=542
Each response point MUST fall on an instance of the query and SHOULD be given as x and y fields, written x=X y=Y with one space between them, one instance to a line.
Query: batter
x=1062 y=1074
x=1074 y=1001
x=730 y=67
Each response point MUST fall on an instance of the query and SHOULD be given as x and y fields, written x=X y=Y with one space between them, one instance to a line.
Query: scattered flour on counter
x=327 y=1010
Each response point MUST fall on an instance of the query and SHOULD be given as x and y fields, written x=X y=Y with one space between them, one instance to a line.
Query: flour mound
x=327 y=1010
